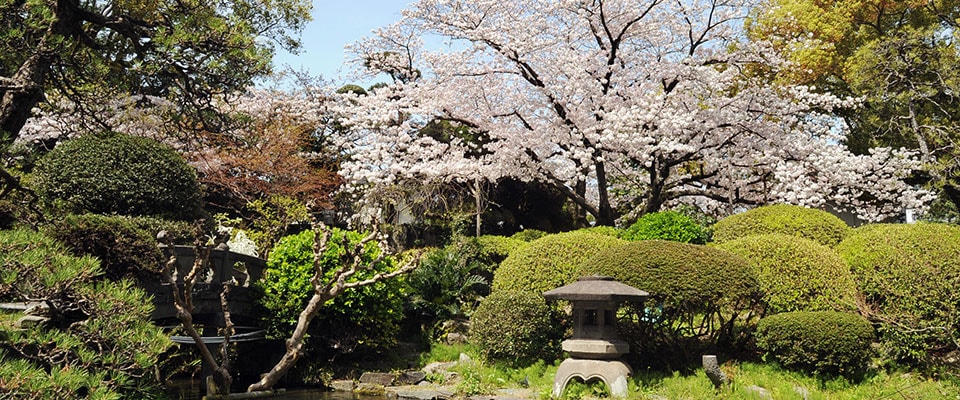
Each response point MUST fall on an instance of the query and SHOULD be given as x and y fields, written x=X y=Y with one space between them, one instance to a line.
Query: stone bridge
x=225 y=266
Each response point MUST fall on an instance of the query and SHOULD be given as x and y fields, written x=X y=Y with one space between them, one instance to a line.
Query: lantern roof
x=596 y=288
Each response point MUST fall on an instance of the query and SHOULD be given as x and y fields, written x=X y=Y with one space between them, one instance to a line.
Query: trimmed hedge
x=701 y=298
x=529 y=235
x=909 y=275
x=123 y=248
x=667 y=225
x=797 y=274
x=824 y=343
x=119 y=174
x=517 y=327
x=817 y=225
x=549 y=262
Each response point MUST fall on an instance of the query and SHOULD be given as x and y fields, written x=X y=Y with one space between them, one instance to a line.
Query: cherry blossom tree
x=625 y=106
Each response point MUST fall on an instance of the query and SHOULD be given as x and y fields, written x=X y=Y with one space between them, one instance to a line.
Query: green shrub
x=517 y=327
x=124 y=250
x=364 y=319
x=909 y=275
x=667 y=225
x=602 y=230
x=817 y=225
x=826 y=343
x=119 y=174
x=446 y=285
x=98 y=340
x=700 y=297
x=549 y=262
x=529 y=235
x=797 y=274
x=495 y=249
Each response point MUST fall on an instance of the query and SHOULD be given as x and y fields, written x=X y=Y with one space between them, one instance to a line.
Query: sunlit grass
x=748 y=381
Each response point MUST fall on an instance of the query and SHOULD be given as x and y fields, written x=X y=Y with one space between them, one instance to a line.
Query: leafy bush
x=495 y=249
x=825 y=342
x=700 y=297
x=529 y=235
x=361 y=319
x=602 y=230
x=797 y=274
x=817 y=225
x=119 y=174
x=909 y=275
x=98 y=341
x=446 y=285
x=549 y=262
x=517 y=327
x=124 y=249
x=667 y=225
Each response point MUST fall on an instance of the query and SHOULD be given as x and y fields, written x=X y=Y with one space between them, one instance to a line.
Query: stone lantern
x=595 y=349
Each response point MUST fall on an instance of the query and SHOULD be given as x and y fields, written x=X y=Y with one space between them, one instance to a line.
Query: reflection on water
x=187 y=389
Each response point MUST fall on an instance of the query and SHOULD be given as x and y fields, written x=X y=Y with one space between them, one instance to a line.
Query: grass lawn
x=749 y=381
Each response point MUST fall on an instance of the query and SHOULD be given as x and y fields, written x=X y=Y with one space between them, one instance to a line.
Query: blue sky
x=335 y=24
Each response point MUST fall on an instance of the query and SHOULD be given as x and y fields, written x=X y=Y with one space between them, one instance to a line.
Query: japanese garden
x=643 y=199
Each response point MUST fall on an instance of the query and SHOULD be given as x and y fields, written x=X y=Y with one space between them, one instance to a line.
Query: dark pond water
x=193 y=390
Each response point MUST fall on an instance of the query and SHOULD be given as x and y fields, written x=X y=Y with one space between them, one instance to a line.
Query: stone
x=438 y=367
x=411 y=377
x=30 y=321
x=465 y=359
x=595 y=348
x=380 y=378
x=455 y=338
x=418 y=394
x=760 y=392
x=370 y=389
x=613 y=373
x=343 y=385
x=802 y=391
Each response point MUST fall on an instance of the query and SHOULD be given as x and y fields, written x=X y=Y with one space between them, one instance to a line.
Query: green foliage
x=602 y=230
x=495 y=249
x=119 y=174
x=272 y=219
x=529 y=235
x=516 y=327
x=909 y=275
x=699 y=297
x=819 y=226
x=446 y=285
x=826 y=343
x=667 y=225
x=797 y=274
x=98 y=340
x=549 y=262
x=124 y=250
x=360 y=319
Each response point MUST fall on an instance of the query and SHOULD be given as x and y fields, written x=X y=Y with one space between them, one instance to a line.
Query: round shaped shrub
x=495 y=249
x=817 y=225
x=822 y=342
x=909 y=275
x=797 y=274
x=549 y=262
x=359 y=319
x=602 y=230
x=119 y=174
x=123 y=248
x=700 y=298
x=667 y=225
x=529 y=235
x=515 y=326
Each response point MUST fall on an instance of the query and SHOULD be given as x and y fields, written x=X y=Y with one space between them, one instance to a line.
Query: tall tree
x=624 y=106
x=89 y=50
x=899 y=57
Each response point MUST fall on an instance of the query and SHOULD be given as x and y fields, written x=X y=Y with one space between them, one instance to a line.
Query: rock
x=370 y=389
x=411 y=377
x=380 y=378
x=760 y=392
x=418 y=394
x=455 y=338
x=438 y=367
x=465 y=359
x=343 y=385
x=30 y=321
x=802 y=391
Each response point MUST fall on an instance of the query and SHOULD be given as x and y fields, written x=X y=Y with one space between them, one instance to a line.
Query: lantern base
x=613 y=373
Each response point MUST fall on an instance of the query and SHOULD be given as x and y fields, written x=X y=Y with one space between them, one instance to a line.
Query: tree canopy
x=898 y=57
x=187 y=52
x=622 y=106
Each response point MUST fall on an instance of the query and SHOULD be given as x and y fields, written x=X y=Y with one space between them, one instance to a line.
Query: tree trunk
x=21 y=94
